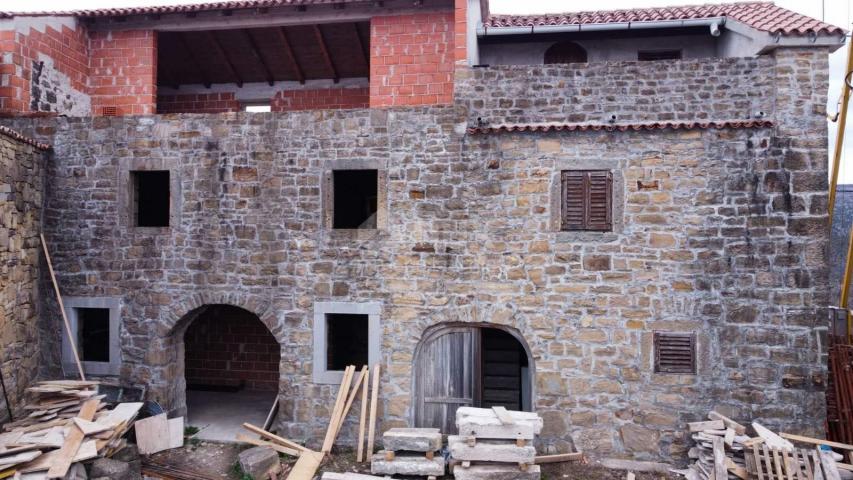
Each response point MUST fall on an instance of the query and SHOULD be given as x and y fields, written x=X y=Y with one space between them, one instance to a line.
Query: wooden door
x=447 y=377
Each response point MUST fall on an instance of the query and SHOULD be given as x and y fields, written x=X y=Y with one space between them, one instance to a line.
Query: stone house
x=616 y=219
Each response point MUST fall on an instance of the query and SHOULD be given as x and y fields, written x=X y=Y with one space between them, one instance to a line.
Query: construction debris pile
x=724 y=449
x=67 y=423
x=494 y=443
x=410 y=451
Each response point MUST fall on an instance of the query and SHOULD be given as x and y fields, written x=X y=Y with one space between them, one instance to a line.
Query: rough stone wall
x=44 y=67
x=695 y=89
x=21 y=195
x=731 y=244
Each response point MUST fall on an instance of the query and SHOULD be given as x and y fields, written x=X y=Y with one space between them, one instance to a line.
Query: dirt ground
x=219 y=460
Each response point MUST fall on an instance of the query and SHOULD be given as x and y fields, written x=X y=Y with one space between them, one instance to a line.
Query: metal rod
x=839 y=137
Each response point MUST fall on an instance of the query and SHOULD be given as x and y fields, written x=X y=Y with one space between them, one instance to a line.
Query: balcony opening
x=355 y=199
x=151 y=198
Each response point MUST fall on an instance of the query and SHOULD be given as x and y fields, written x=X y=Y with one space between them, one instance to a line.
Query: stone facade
x=731 y=242
x=21 y=196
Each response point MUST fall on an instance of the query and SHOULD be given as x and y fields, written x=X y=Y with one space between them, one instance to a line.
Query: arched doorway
x=469 y=364
x=231 y=365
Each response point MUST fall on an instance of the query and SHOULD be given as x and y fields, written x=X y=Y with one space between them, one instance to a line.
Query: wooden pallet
x=768 y=463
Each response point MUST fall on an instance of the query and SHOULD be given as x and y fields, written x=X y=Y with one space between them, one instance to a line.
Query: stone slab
x=349 y=476
x=490 y=451
x=412 y=439
x=407 y=465
x=496 y=472
x=484 y=423
x=258 y=461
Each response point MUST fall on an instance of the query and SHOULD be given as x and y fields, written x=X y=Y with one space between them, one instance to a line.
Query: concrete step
x=412 y=439
x=407 y=465
x=490 y=450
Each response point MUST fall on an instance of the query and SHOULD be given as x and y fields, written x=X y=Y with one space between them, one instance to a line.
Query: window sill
x=152 y=230
x=355 y=233
x=586 y=236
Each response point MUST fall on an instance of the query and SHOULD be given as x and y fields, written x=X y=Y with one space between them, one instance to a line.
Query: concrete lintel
x=320 y=373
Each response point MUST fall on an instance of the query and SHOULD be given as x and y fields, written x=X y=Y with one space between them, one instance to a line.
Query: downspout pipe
x=713 y=25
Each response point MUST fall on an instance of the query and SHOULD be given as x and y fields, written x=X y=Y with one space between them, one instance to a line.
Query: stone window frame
x=617 y=200
x=327 y=190
x=125 y=192
x=113 y=304
x=373 y=310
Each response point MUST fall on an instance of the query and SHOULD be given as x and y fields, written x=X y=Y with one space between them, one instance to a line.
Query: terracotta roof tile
x=186 y=8
x=764 y=16
x=21 y=138
x=621 y=127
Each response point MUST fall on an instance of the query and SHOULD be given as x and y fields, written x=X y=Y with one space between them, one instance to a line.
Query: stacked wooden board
x=724 y=449
x=67 y=423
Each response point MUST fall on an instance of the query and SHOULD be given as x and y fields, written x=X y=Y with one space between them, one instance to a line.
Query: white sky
x=837 y=12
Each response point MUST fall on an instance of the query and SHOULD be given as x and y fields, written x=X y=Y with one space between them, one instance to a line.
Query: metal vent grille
x=109 y=111
x=675 y=352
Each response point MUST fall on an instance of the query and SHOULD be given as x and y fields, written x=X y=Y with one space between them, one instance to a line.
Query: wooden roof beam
x=325 y=51
x=288 y=50
x=255 y=51
x=205 y=78
x=221 y=51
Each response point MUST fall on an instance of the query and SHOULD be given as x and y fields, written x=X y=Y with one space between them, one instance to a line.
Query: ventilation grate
x=109 y=111
x=675 y=352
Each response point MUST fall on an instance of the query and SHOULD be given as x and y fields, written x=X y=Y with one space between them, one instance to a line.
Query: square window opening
x=587 y=200
x=93 y=334
x=355 y=198
x=151 y=198
x=346 y=340
x=652 y=55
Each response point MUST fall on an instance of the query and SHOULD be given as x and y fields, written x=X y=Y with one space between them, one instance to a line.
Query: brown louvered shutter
x=587 y=200
x=675 y=352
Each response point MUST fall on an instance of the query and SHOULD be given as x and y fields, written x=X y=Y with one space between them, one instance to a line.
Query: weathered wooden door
x=447 y=376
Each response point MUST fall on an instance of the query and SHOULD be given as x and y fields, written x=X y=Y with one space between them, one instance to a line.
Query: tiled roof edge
x=22 y=138
x=621 y=127
x=181 y=8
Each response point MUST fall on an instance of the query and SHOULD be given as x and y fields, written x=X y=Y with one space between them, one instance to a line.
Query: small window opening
x=356 y=194
x=651 y=55
x=151 y=203
x=346 y=340
x=675 y=352
x=565 y=52
x=587 y=200
x=93 y=334
x=257 y=107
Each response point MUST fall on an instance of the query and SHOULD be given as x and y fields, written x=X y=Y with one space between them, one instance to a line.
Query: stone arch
x=461 y=329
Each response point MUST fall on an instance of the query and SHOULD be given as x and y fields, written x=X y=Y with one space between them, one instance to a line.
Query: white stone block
x=407 y=465
x=490 y=451
x=412 y=439
x=496 y=472
x=484 y=423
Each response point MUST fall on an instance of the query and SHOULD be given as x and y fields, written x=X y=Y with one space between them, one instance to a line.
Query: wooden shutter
x=675 y=352
x=587 y=200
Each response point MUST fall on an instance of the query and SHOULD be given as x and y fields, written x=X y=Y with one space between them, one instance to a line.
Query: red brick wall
x=412 y=59
x=228 y=346
x=198 y=103
x=123 y=71
x=290 y=100
x=460 y=28
x=67 y=47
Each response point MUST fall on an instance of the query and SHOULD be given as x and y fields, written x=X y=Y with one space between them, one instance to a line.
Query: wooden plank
x=770 y=438
x=818 y=469
x=176 y=432
x=275 y=438
x=72 y=338
x=559 y=458
x=87 y=451
x=262 y=443
x=331 y=430
x=729 y=437
x=503 y=415
x=816 y=441
x=152 y=434
x=720 y=471
x=728 y=422
x=90 y=428
x=306 y=466
x=21 y=457
x=757 y=456
x=830 y=468
x=349 y=402
x=707 y=425
x=371 y=423
x=789 y=464
x=362 y=419
x=271 y=414
x=59 y=467
x=808 y=464
x=736 y=469
x=777 y=464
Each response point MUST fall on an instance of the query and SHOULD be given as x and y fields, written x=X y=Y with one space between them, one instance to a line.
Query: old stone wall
x=731 y=244
x=21 y=196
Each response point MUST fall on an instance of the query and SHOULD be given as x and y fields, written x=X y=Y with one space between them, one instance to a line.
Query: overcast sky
x=837 y=12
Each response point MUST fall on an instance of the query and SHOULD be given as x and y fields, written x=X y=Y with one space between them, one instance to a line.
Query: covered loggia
x=461 y=364
x=231 y=364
